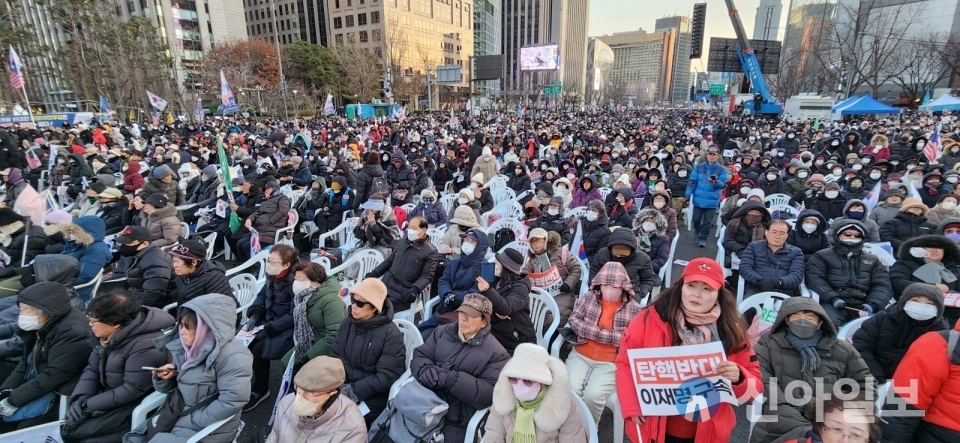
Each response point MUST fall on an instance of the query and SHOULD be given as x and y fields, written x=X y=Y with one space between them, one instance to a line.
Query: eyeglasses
x=837 y=433
x=274 y=262
x=93 y=320
x=359 y=303
x=851 y=234
x=514 y=380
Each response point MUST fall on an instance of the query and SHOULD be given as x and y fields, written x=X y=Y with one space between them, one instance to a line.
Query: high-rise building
x=288 y=20
x=766 y=26
x=45 y=87
x=642 y=68
x=573 y=49
x=599 y=61
x=680 y=74
x=807 y=48
x=487 y=18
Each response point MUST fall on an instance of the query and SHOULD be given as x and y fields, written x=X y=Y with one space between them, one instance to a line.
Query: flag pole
x=23 y=79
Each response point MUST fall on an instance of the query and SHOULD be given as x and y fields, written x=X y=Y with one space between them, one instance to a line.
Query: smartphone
x=486 y=271
x=151 y=368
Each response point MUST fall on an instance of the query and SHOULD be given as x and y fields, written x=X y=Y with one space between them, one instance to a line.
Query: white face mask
x=802 y=175
x=273 y=269
x=413 y=234
x=610 y=293
x=682 y=173
x=524 y=392
x=919 y=311
x=648 y=226
x=473 y=186
x=918 y=252
x=592 y=215
x=857 y=166
x=467 y=248
x=878 y=147
x=809 y=228
x=553 y=211
x=920 y=145
x=462 y=201
x=948 y=205
x=300 y=286
x=744 y=190
x=659 y=205
x=29 y=322
x=304 y=407
x=875 y=175
x=771 y=177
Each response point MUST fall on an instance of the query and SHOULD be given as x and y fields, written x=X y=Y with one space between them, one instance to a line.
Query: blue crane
x=751 y=68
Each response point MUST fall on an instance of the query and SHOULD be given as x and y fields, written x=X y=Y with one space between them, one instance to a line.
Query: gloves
x=449 y=300
x=565 y=289
x=271 y=330
x=78 y=410
x=411 y=294
x=347 y=391
x=446 y=379
x=868 y=308
x=6 y=409
x=839 y=303
x=256 y=311
x=769 y=284
x=429 y=377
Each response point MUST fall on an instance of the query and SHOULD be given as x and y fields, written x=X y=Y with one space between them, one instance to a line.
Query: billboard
x=540 y=58
x=487 y=67
x=723 y=55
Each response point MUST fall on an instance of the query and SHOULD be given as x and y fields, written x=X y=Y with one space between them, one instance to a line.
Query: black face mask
x=128 y=250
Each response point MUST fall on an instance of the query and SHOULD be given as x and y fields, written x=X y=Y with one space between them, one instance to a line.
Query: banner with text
x=680 y=380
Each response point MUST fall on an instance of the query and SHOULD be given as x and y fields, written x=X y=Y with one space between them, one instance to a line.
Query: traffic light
x=696 y=36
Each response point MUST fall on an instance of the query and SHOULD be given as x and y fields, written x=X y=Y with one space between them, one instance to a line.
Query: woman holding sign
x=697 y=310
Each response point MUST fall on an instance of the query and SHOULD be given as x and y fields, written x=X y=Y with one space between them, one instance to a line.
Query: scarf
x=644 y=242
x=303 y=334
x=524 y=430
x=542 y=263
x=200 y=338
x=807 y=347
x=697 y=329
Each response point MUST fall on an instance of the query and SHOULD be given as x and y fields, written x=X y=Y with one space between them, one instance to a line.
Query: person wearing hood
x=464 y=219
x=210 y=368
x=370 y=171
x=401 y=178
x=79 y=172
x=946 y=208
x=319 y=411
x=111 y=208
x=370 y=346
x=772 y=265
x=596 y=231
x=586 y=192
x=207 y=191
x=410 y=267
x=146 y=267
x=378 y=226
x=331 y=205
x=519 y=179
x=271 y=215
x=847 y=279
x=161 y=182
x=301 y=172
x=850 y=144
x=661 y=202
x=950 y=228
x=56 y=346
x=828 y=203
x=651 y=228
x=132 y=180
x=532 y=401
x=622 y=248
x=697 y=309
x=114 y=382
x=622 y=210
x=733 y=202
x=911 y=222
x=309 y=205
x=535 y=205
x=802 y=349
x=857 y=210
x=931 y=259
x=552 y=220
x=430 y=208
x=678 y=182
x=771 y=183
x=480 y=193
x=461 y=363
x=951 y=154
x=855 y=189
x=545 y=256
x=889 y=206
x=789 y=144
x=933 y=187
x=747 y=225
x=194 y=275
x=13 y=183
x=798 y=182
x=18 y=235
x=83 y=240
x=884 y=339
x=485 y=164
x=562 y=188
x=509 y=293
x=189 y=180
x=443 y=174
x=160 y=219
x=811 y=235
x=459 y=278
x=422 y=176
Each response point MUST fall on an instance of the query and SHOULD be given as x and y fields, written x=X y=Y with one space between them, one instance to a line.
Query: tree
x=360 y=72
x=923 y=67
x=247 y=65
x=314 y=66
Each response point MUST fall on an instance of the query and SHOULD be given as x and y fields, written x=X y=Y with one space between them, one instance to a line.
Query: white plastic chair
x=210 y=241
x=590 y=426
x=436 y=234
x=261 y=258
x=475 y=426
x=847 y=330
x=885 y=257
x=368 y=259
x=184 y=230
x=668 y=266
x=575 y=212
x=540 y=303
x=95 y=283
x=343 y=234
x=604 y=192
x=785 y=211
x=584 y=274
x=411 y=337
x=520 y=246
x=687 y=214
x=502 y=210
x=754 y=412
x=773 y=200
x=154 y=401
x=292 y=218
x=519 y=229
x=416 y=307
x=245 y=290
x=408 y=208
x=448 y=201
x=761 y=300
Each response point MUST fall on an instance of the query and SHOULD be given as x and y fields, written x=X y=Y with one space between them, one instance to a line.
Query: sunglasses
x=359 y=303
x=514 y=381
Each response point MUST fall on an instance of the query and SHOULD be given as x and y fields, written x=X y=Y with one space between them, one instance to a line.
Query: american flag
x=932 y=149
x=16 y=69
x=32 y=161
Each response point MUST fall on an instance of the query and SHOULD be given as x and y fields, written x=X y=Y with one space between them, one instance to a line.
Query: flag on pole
x=227 y=183
x=932 y=149
x=198 y=111
x=328 y=108
x=32 y=160
x=103 y=105
x=227 y=99
x=387 y=82
x=53 y=157
x=16 y=69
x=873 y=197
x=158 y=103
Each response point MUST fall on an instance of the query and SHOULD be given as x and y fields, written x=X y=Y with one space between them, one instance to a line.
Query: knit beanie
x=373 y=290
x=529 y=362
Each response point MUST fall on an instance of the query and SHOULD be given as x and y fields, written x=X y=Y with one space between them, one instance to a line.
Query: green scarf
x=524 y=431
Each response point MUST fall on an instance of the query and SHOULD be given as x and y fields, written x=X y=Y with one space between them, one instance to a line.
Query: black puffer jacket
x=901 y=273
x=555 y=223
x=252 y=202
x=511 y=300
x=475 y=364
x=622 y=215
x=596 y=235
x=422 y=180
x=738 y=235
x=847 y=272
x=364 y=181
x=402 y=178
x=809 y=243
x=271 y=216
x=407 y=271
x=114 y=376
x=148 y=275
x=60 y=348
x=519 y=183
x=637 y=264
x=275 y=305
x=209 y=278
x=373 y=355
x=112 y=215
x=36 y=244
x=904 y=227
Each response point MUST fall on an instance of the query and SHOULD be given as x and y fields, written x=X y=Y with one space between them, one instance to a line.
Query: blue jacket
x=302 y=177
x=704 y=193
x=87 y=247
x=759 y=262
x=434 y=213
x=460 y=276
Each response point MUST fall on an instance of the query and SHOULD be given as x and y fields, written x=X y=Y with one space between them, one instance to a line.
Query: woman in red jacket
x=695 y=310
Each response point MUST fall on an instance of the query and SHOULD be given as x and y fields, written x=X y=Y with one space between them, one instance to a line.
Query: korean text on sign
x=659 y=373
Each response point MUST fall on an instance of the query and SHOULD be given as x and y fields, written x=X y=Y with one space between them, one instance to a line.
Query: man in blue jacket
x=703 y=192
x=771 y=264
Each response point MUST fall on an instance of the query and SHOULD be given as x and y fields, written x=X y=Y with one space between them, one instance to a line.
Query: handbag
x=34 y=409
x=170 y=411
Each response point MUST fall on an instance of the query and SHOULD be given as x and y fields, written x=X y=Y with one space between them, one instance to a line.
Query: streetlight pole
x=283 y=80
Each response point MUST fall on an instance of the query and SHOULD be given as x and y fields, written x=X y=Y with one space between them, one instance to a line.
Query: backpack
x=415 y=415
x=379 y=185
x=503 y=237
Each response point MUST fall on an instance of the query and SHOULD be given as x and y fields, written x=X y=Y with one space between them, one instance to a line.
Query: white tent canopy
x=946 y=102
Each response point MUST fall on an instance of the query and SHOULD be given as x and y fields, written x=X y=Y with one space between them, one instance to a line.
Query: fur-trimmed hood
x=555 y=406
x=85 y=230
x=951 y=252
x=651 y=212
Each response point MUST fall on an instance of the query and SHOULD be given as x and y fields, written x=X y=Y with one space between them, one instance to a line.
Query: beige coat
x=556 y=420
x=164 y=226
x=341 y=423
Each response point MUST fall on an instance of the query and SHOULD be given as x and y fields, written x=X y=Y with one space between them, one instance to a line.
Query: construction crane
x=751 y=69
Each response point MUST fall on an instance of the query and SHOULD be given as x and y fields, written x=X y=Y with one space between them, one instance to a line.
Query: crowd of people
x=110 y=291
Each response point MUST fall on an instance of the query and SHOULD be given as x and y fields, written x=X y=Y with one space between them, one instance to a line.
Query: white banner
x=680 y=380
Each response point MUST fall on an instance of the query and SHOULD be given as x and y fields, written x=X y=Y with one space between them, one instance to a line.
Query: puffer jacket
x=114 y=376
x=901 y=273
x=407 y=271
x=759 y=262
x=475 y=364
x=301 y=176
x=460 y=276
x=364 y=181
x=581 y=196
x=87 y=247
x=13 y=236
x=519 y=183
x=884 y=339
x=222 y=369
x=402 y=178
x=847 y=272
x=373 y=356
x=904 y=227
x=79 y=169
x=883 y=212
x=112 y=215
x=700 y=191
x=658 y=244
x=384 y=232
x=325 y=312
x=511 y=300
x=569 y=270
x=669 y=213
x=738 y=235
x=56 y=353
x=596 y=235
x=132 y=180
x=209 y=278
x=163 y=224
x=622 y=215
x=276 y=301
x=434 y=213
x=271 y=216
x=148 y=275
x=171 y=190
x=873 y=229
x=778 y=359
x=555 y=223
x=649 y=330
x=809 y=243
x=339 y=421
x=637 y=263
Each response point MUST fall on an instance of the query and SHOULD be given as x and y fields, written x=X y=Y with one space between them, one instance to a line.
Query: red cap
x=704 y=270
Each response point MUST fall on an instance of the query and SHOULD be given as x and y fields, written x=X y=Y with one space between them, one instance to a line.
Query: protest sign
x=680 y=380
x=951 y=300
x=548 y=280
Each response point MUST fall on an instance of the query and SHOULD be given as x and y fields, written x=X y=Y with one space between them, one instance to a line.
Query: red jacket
x=132 y=180
x=648 y=331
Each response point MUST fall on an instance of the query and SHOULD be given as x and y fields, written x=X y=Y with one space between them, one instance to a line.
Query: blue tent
x=845 y=103
x=866 y=105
